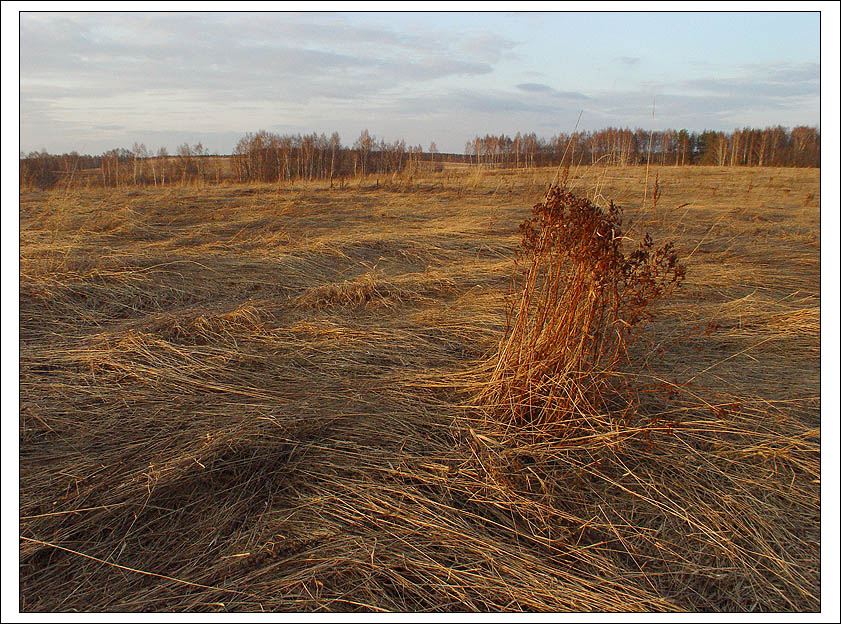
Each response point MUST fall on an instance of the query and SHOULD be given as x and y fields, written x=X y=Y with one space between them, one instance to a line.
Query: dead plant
x=569 y=326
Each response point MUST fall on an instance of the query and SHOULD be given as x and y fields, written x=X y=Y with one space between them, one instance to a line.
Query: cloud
x=782 y=81
x=536 y=87
x=144 y=70
x=485 y=102
x=220 y=55
x=630 y=61
x=697 y=111
x=486 y=46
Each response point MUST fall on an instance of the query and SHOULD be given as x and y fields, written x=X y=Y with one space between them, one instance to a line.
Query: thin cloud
x=486 y=46
x=765 y=81
x=241 y=57
x=536 y=87
x=629 y=61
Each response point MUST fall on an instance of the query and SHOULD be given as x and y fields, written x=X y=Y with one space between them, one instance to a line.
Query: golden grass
x=246 y=398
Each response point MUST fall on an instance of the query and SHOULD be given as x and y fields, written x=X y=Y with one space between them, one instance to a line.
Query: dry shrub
x=581 y=299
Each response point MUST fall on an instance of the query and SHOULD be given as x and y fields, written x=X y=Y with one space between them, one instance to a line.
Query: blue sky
x=93 y=81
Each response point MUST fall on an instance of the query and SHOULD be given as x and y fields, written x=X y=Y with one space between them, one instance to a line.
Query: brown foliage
x=581 y=299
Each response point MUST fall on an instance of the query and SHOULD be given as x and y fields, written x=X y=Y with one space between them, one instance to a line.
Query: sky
x=91 y=81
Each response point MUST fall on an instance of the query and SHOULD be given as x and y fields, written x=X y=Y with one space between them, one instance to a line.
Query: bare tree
x=163 y=157
x=363 y=145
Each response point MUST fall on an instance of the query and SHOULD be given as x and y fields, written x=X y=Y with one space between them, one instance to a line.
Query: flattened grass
x=240 y=398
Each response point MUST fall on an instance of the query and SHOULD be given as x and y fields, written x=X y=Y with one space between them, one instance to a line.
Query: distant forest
x=268 y=157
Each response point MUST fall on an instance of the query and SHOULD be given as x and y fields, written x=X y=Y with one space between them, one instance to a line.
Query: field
x=263 y=397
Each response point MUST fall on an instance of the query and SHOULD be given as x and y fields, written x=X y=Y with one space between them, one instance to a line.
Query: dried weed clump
x=581 y=299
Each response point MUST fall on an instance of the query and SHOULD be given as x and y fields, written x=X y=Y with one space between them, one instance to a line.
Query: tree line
x=120 y=167
x=269 y=157
x=747 y=147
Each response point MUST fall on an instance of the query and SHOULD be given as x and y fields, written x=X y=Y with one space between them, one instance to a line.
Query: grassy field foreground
x=262 y=398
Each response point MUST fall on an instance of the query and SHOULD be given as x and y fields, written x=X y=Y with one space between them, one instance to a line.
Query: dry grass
x=245 y=398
